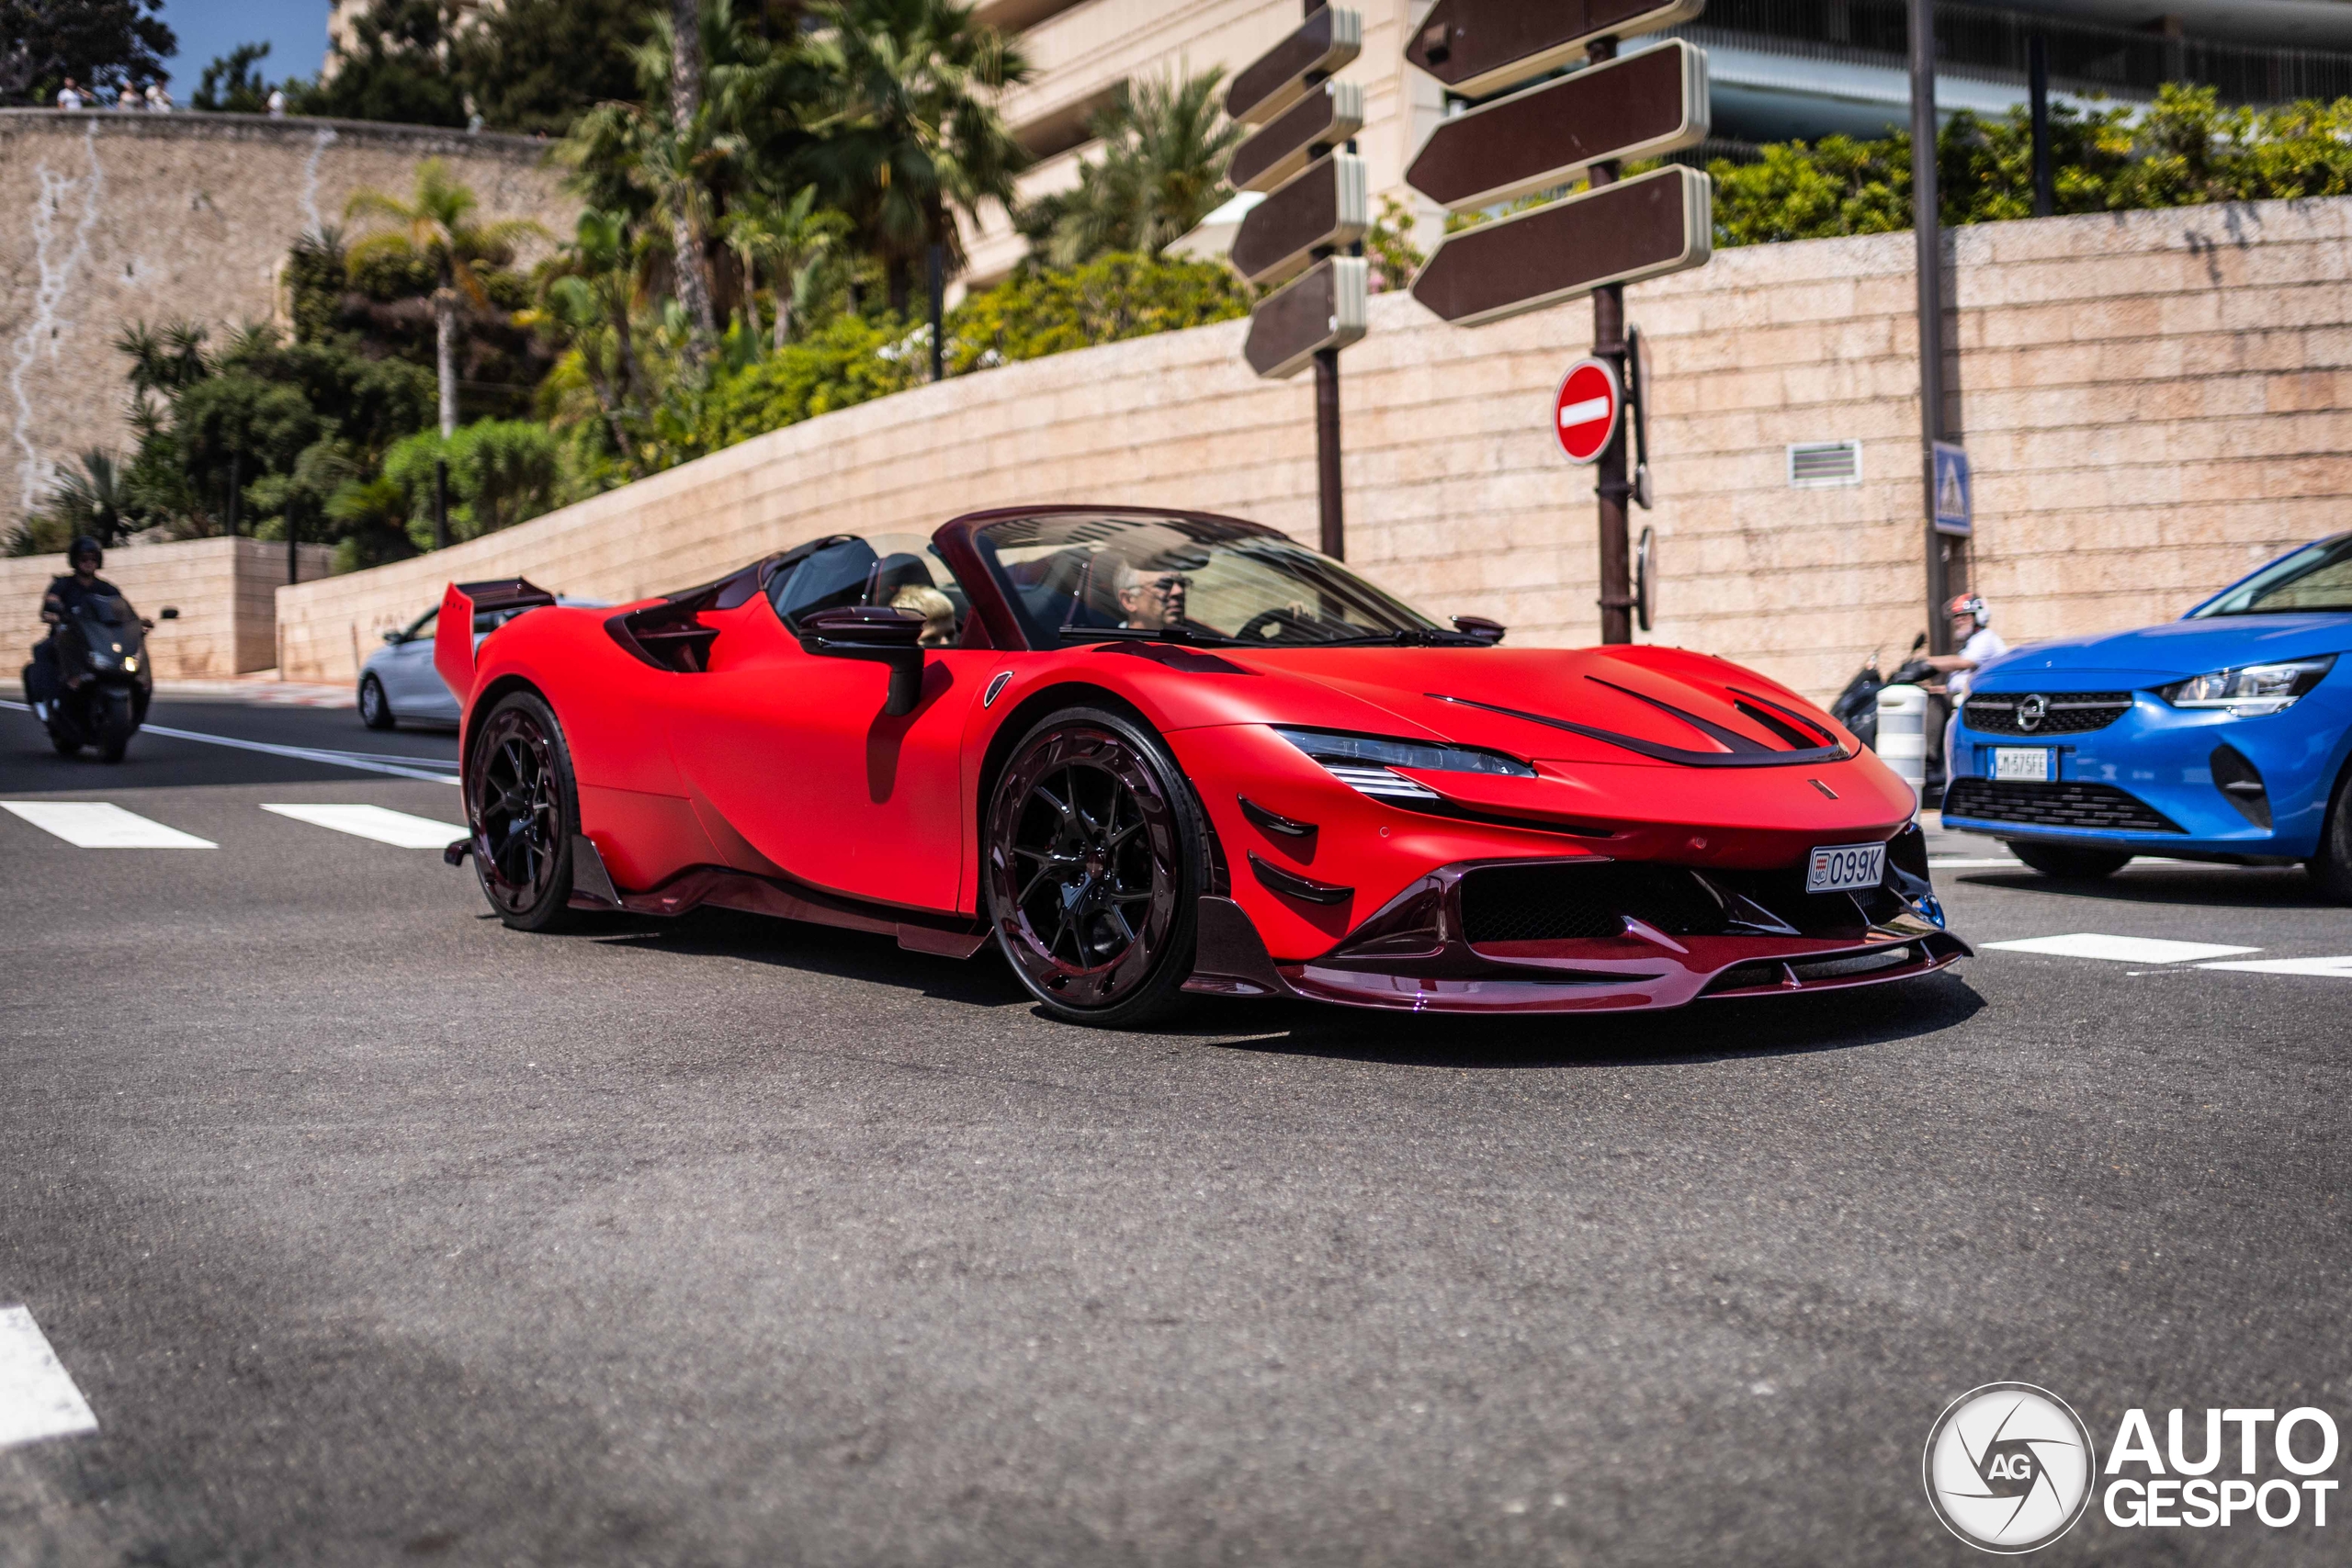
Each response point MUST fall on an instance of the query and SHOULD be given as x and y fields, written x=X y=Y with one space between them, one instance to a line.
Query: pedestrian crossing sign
x=1954 y=490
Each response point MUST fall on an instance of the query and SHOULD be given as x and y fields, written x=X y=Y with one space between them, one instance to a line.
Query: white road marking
x=364 y=761
x=2121 y=949
x=37 y=1398
x=396 y=828
x=1966 y=865
x=2334 y=968
x=96 y=825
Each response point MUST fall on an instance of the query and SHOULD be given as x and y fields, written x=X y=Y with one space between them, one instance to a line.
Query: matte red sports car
x=1151 y=752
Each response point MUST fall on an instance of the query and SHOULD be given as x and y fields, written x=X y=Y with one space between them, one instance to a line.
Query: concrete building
x=1780 y=68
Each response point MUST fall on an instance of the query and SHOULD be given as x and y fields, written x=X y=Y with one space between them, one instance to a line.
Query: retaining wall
x=225 y=590
x=2155 y=402
x=106 y=218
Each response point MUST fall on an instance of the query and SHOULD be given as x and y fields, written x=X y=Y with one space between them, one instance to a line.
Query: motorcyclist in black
x=85 y=555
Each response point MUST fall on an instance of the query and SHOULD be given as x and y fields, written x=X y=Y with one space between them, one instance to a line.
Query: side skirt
x=592 y=887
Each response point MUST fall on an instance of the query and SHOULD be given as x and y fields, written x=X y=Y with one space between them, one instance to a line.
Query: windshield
x=2318 y=577
x=1096 y=575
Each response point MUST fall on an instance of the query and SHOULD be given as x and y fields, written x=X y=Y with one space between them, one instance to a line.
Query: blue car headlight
x=2249 y=691
x=1367 y=763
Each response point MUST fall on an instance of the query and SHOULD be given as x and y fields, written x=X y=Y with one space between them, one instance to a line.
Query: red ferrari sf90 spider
x=1152 y=752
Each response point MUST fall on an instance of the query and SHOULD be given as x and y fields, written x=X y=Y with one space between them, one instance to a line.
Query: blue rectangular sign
x=1955 y=490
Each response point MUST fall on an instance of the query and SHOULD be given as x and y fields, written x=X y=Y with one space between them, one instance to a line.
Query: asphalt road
x=374 y=1232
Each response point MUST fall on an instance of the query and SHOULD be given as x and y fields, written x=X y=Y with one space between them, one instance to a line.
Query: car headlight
x=1367 y=763
x=2249 y=690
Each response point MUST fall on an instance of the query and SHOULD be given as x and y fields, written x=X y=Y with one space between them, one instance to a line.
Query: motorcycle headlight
x=2249 y=690
x=1367 y=763
x=131 y=664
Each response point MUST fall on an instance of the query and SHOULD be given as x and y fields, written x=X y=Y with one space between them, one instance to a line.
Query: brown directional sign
x=1644 y=226
x=1477 y=46
x=1549 y=135
x=1321 y=120
x=1323 y=308
x=1279 y=78
x=1324 y=208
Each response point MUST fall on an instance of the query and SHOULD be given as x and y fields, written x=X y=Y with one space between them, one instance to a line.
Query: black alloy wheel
x=1096 y=857
x=2069 y=862
x=2331 y=867
x=375 y=708
x=523 y=809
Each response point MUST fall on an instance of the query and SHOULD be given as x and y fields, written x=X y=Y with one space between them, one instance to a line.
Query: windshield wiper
x=1411 y=636
x=1183 y=634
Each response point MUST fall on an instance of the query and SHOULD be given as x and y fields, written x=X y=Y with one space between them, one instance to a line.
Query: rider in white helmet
x=1973 y=634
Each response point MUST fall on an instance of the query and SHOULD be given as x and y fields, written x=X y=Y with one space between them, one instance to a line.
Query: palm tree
x=910 y=125
x=1165 y=147
x=587 y=297
x=787 y=239
x=437 y=226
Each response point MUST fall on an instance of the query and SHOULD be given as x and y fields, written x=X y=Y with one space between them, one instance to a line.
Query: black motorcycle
x=1857 y=705
x=97 y=692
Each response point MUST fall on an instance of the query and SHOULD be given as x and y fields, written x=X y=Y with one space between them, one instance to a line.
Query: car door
x=405 y=669
x=794 y=753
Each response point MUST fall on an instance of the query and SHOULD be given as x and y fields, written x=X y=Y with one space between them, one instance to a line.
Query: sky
x=296 y=32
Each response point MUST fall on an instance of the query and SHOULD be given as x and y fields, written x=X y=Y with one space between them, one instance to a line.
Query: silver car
x=398 y=684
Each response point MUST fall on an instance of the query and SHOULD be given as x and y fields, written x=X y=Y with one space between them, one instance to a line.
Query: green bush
x=502 y=472
x=2182 y=151
x=1038 y=311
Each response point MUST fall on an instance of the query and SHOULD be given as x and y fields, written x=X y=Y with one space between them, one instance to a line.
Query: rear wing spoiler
x=453 y=634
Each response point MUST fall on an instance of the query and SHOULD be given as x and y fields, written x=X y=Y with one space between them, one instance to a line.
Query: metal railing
x=1973 y=40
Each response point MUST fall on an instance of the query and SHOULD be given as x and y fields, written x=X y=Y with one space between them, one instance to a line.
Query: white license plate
x=2025 y=764
x=1843 y=868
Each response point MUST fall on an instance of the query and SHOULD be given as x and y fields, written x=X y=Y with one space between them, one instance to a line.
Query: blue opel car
x=2220 y=737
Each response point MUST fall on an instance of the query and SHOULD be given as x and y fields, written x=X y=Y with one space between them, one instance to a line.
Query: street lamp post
x=1929 y=245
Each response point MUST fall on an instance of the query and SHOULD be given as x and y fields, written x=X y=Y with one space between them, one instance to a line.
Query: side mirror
x=874 y=633
x=396 y=636
x=1485 y=631
x=168 y=613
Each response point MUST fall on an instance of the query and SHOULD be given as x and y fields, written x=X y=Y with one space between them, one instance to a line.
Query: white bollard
x=1903 y=737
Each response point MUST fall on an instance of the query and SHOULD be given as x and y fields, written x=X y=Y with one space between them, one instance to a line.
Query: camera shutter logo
x=2009 y=1467
x=2033 y=711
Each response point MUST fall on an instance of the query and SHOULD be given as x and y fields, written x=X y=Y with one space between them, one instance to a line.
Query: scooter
x=1857 y=705
x=102 y=682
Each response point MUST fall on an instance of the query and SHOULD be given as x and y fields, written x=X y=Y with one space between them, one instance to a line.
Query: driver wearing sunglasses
x=1151 y=600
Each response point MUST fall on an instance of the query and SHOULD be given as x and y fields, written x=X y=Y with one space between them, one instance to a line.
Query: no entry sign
x=1585 y=410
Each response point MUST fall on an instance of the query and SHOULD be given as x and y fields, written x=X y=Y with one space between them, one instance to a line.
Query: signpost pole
x=1930 y=261
x=1610 y=485
x=1334 y=540
x=1327 y=452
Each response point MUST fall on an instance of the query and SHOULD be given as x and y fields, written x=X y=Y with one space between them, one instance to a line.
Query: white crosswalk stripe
x=386 y=827
x=2120 y=949
x=38 y=1398
x=2337 y=968
x=99 y=825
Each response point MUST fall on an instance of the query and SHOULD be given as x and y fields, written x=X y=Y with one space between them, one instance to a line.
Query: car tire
x=2331 y=867
x=1095 y=856
x=375 y=708
x=2069 y=862
x=523 y=807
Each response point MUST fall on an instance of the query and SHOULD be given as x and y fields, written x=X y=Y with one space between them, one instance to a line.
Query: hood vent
x=1809 y=745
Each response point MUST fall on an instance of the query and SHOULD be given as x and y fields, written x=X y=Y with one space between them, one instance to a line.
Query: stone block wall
x=2155 y=402
x=226 y=590
x=108 y=219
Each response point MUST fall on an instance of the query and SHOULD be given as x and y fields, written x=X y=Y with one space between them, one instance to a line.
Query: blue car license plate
x=1845 y=868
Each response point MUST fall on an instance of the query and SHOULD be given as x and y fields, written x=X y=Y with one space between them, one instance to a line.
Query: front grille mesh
x=1563 y=903
x=2055 y=805
x=2070 y=713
